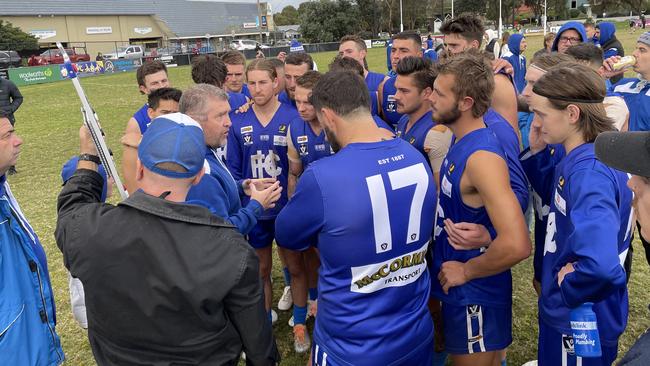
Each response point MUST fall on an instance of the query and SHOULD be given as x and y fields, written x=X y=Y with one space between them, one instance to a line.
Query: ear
x=150 y=112
x=198 y=177
x=139 y=171
x=465 y=104
x=325 y=116
x=573 y=113
x=143 y=89
x=426 y=92
x=276 y=83
x=475 y=44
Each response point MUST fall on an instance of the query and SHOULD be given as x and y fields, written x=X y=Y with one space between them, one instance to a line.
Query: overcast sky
x=276 y=5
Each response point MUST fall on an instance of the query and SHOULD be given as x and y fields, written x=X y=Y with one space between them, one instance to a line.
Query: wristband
x=89 y=157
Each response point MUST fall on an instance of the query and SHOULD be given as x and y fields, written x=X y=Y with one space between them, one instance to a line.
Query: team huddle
x=398 y=204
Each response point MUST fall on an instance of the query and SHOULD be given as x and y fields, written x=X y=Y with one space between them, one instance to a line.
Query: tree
x=13 y=38
x=288 y=16
x=327 y=20
x=469 y=6
x=371 y=15
x=637 y=6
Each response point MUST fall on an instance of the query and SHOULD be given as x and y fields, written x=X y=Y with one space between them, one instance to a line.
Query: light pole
x=259 y=20
x=500 y=21
x=452 y=9
x=401 y=18
x=544 y=18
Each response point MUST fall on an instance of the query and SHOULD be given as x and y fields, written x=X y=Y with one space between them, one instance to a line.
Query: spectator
x=505 y=50
x=26 y=297
x=591 y=30
x=517 y=46
x=548 y=43
x=10 y=99
x=571 y=33
x=139 y=266
x=611 y=46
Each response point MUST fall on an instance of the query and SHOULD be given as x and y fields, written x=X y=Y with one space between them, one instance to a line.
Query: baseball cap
x=644 y=38
x=71 y=166
x=173 y=138
x=625 y=151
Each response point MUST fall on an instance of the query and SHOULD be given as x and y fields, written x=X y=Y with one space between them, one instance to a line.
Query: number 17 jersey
x=370 y=208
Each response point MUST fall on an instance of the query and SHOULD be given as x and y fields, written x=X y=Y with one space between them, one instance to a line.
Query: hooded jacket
x=608 y=42
x=518 y=61
x=577 y=26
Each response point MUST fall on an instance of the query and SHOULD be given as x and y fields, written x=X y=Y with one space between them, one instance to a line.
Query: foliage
x=328 y=20
x=14 y=39
x=288 y=16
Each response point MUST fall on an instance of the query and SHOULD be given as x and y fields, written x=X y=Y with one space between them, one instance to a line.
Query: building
x=103 y=26
x=289 y=31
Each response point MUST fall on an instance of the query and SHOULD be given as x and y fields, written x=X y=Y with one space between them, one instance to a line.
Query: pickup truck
x=54 y=56
x=127 y=52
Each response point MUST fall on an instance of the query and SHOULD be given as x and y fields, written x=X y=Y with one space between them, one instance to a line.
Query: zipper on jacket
x=43 y=313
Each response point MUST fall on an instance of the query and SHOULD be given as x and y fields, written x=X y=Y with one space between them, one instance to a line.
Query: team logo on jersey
x=567 y=344
x=473 y=311
x=248 y=139
x=265 y=165
x=279 y=140
x=560 y=203
x=319 y=147
x=303 y=150
x=264 y=137
x=412 y=140
x=302 y=139
x=399 y=133
x=446 y=186
x=552 y=151
x=395 y=272
x=451 y=168
x=283 y=128
x=246 y=129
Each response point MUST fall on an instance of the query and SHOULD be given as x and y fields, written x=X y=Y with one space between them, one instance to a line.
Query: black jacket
x=165 y=283
x=10 y=99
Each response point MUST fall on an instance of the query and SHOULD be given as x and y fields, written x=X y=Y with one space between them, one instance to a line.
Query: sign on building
x=99 y=30
x=43 y=34
x=143 y=30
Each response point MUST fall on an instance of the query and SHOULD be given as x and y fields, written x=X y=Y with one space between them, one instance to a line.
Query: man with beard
x=370 y=209
x=354 y=47
x=295 y=65
x=414 y=82
x=475 y=286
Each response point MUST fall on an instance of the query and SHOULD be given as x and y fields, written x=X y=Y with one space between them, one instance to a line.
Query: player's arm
x=436 y=145
x=295 y=165
x=302 y=218
x=380 y=99
x=132 y=127
x=504 y=100
x=488 y=173
x=597 y=269
x=234 y=157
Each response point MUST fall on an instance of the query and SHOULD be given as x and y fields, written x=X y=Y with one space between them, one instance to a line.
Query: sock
x=287 y=276
x=313 y=293
x=299 y=314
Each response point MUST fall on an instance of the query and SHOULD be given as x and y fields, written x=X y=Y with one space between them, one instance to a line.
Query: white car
x=128 y=52
x=245 y=44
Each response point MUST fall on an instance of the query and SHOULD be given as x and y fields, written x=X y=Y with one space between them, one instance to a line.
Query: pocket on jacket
x=8 y=317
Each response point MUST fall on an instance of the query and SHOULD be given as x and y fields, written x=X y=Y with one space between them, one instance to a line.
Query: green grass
x=49 y=120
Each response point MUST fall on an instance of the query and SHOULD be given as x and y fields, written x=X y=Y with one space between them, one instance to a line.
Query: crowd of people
x=398 y=205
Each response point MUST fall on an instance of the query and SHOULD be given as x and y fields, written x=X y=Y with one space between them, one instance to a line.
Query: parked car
x=9 y=59
x=243 y=44
x=54 y=56
x=283 y=43
x=127 y=52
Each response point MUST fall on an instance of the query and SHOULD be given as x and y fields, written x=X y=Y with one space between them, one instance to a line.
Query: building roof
x=187 y=18
x=68 y=7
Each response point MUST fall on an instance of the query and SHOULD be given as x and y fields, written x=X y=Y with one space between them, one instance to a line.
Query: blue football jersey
x=636 y=94
x=283 y=97
x=236 y=100
x=142 y=117
x=256 y=151
x=590 y=225
x=417 y=133
x=373 y=79
x=310 y=147
x=246 y=91
x=493 y=290
x=388 y=104
x=370 y=208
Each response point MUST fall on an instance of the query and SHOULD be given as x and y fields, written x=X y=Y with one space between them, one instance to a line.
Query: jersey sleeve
x=595 y=219
x=234 y=157
x=298 y=224
x=539 y=169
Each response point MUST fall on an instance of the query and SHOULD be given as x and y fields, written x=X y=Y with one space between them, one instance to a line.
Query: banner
x=90 y=68
x=121 y=65
x=35 y=75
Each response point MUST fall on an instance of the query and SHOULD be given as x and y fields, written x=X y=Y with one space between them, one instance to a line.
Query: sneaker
x=274 y=317
x=301 y=340
x=312 y=308
x=286 y=300
x=530 y=363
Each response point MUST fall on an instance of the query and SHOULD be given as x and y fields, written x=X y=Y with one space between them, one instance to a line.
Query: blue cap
x=71 y=166
x=173 y=138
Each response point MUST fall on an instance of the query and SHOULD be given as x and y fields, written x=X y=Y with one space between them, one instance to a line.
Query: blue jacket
x=577 y=26
x=27 y=313
x=518 y=61
x=608 y=42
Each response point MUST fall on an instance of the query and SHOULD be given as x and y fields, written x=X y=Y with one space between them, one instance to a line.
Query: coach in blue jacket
x=27 y=314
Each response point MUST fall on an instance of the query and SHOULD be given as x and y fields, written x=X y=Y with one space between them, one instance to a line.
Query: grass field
x=49 y=120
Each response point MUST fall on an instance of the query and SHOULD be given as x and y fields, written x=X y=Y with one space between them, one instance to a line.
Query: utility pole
x=401 y=17
x=259 y=19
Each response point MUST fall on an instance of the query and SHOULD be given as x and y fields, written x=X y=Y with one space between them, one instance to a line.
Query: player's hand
x=266 y=197
x=501 y=64
x=259 y=183
x=86 y=144
x=467 y=236
x=452 y=274
x=537 y=286
x=535 y=139
x=568 y=268
x=282 y=56
x=245 y=107
x=608 y=67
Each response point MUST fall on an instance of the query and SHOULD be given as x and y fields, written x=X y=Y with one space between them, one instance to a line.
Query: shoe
x=530 y=363
x=312 y=308
x=274 y=317
x=301 y=340
x=286 y=300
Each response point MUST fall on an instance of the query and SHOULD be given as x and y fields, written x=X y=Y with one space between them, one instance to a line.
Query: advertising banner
x=84 y=69
x=121 y=65
x=35 y=75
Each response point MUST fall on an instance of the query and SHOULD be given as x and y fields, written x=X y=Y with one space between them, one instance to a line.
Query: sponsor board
x=35 y=75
